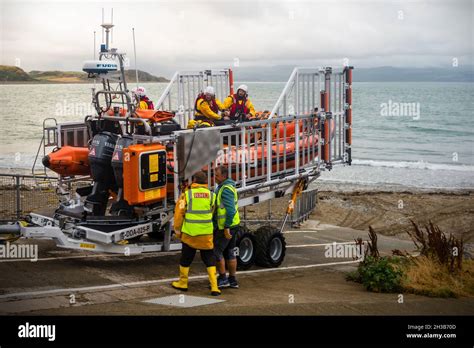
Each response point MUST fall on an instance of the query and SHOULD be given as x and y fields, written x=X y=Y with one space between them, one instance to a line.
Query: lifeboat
x=72 y=161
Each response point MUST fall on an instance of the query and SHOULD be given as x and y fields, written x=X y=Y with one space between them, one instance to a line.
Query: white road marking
x=298 y=231
x=154 y=254
x=68 y=291
x=317 y=245
x=329 y=240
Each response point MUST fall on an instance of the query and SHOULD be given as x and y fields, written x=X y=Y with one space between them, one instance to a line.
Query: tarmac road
x=308 y=282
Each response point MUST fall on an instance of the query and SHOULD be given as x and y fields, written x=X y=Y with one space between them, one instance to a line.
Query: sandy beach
x=390 y=210
x=389 y=213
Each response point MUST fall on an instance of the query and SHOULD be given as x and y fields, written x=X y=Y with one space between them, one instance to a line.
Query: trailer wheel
x=270 y=246
x=245 y=242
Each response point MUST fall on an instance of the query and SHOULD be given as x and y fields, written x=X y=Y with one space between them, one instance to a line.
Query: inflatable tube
x=68 y=161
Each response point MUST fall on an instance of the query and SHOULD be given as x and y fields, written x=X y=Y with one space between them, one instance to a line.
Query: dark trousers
x=188 y=253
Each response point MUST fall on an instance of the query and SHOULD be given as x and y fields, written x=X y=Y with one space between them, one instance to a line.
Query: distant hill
x=380 y=74
x=59 y=76
x=15 y=74
x=143 y=77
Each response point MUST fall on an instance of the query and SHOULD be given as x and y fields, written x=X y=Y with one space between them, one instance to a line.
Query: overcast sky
x=202 y=34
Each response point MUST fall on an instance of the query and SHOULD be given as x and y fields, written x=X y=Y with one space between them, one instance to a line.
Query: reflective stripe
x=191 y=221
x=190 y=200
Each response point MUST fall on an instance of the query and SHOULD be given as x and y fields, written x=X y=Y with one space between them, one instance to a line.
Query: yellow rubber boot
x=182 y=283
x=211 y=271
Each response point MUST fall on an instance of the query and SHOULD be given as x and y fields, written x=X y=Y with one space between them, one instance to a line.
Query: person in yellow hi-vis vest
x=193 y=225
x=226 y=223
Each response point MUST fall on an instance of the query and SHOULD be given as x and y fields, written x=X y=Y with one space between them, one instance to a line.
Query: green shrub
x=380 y=274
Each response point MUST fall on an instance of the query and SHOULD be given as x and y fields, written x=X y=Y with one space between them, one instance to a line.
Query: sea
x=405 y=135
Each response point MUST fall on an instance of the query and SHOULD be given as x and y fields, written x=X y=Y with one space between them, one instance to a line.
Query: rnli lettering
x=201 y=195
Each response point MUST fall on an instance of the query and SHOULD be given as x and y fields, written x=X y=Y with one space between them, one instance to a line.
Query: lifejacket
x=239 y=107
x=212 y=104
x=148 y=102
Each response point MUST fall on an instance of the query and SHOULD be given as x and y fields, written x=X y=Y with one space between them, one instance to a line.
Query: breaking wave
x=414 y=165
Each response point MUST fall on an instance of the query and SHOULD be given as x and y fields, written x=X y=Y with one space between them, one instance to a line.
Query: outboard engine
x=121 y=206
x=100 y=156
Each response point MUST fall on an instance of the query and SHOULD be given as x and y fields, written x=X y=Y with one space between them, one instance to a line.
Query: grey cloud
x=186 y=34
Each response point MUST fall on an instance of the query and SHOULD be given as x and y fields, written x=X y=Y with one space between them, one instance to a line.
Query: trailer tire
x=270 y=247
x=245 y=243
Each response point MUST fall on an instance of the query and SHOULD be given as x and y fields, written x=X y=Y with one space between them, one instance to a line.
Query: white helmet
x=209 y=90
x=243 y=88
x=139 y=91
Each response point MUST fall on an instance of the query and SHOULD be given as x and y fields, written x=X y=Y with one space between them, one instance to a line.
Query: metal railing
x=72 y=134
x=304 y=206
x=58 y=135
x=328 y=92
x=181 y=92
x=21 y=194
x=293 y=149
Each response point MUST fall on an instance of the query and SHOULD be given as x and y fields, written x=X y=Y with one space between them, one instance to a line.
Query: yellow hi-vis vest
x=199 y=209
x=221 y=211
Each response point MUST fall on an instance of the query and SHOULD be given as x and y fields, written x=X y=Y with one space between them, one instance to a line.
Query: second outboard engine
x=100 y=156
x=121 y=206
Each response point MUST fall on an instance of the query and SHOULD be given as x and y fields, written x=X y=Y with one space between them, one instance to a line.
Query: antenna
x=135 y=54
x=107 y=27
x=94 y=44
x=112 y=22
x=94 y=59
x=103 y=23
